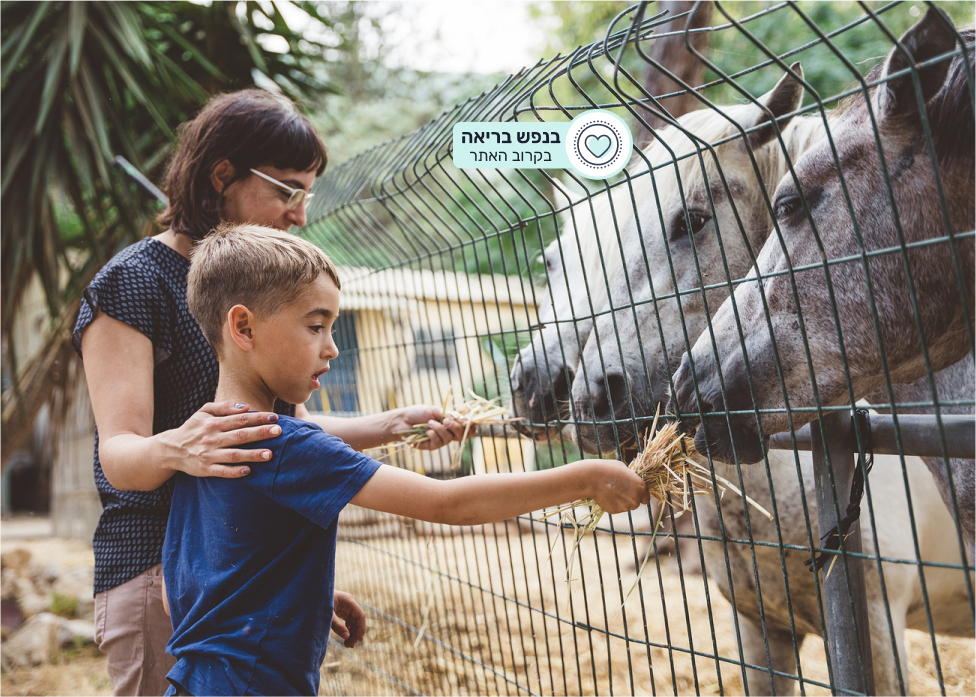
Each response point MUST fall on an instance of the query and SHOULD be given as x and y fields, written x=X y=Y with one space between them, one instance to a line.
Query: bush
x=63 y=606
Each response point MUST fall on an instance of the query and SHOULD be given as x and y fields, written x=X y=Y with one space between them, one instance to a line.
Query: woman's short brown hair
x=250 y=128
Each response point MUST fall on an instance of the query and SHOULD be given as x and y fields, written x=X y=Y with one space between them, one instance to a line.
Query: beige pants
x=132 y=630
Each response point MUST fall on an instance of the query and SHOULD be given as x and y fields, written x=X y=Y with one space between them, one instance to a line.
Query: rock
x=11 y=616
x=40 y=639
x=16 y=560
x=34 y=603
x=81 y=631
x=35 y=586
x=26 y=594
x=76 y=582
x=44 y=576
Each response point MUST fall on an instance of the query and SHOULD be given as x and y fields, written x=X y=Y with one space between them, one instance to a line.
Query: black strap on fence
x=832 y=539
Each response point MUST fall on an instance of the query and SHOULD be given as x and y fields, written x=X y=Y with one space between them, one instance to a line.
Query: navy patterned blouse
x=145 y=286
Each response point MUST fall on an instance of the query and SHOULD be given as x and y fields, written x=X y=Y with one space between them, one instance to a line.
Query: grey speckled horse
x=772 y=591
x=940 y=269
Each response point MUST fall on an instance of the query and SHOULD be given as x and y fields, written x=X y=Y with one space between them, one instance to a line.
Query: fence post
x=837 y=429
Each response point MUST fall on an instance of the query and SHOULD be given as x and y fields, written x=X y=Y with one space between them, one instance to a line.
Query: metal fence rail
x=587 y=306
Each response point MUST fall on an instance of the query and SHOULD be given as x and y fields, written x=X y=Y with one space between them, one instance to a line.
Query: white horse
x=721 y=193
x=578 y=262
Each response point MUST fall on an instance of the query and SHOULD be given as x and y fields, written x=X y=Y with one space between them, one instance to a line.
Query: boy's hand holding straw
x=478 y=411
x=670 y=472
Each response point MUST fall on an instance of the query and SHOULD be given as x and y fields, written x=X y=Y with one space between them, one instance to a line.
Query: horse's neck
x=952 y=384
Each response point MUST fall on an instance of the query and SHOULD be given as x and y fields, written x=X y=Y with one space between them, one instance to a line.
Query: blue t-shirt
x=250 y=566
x=144 y=286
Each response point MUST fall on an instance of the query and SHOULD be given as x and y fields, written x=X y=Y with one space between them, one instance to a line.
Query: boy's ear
x=221 y=174
x=240 y=322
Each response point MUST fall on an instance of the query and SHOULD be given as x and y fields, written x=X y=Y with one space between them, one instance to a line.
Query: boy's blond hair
x=261 y=268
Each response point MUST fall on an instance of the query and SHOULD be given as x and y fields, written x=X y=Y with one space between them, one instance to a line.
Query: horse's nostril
x=599 y=403
x=560 y=385
x=618 y=390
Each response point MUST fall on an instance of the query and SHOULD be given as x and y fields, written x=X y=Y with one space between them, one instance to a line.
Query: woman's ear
x=221 y=175
x=239 y=325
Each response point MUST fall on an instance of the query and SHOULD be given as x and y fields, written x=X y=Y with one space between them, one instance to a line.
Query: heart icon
x=598 y=145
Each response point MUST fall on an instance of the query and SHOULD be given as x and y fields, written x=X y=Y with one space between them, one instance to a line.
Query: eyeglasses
x=295 y=196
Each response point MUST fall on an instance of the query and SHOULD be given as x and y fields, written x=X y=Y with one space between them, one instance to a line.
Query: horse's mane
x=713 y=126
x=951 y=110
x=600 y=246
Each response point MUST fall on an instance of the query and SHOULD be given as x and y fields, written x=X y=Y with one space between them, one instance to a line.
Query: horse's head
x=576 y=289
x=894 y=276
x=701 y=216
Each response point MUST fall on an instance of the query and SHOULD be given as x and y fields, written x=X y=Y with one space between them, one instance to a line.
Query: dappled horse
x=724 y=195
x=901 y=280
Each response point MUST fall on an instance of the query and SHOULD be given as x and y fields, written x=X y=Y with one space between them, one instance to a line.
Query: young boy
x=250 y=563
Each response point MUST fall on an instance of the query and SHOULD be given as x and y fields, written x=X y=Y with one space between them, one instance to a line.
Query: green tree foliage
x=82 y=82
x=733 y=51
x=376 y=101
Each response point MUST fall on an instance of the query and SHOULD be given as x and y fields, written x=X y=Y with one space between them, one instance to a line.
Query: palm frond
x=84 y=81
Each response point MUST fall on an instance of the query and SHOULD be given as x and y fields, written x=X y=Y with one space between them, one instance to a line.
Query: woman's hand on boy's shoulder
x=209 y=442
x=439 y=433
x=614 y=486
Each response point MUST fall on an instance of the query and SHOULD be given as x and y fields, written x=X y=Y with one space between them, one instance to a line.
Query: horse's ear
x=932 y=36
x=564 y=196
x=785 y=98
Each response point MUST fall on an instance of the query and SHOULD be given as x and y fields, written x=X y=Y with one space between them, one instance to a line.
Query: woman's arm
x=374 y=430
x=119 y=367
x=494 y=497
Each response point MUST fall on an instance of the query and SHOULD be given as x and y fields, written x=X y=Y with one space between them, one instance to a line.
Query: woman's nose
x=297 y=215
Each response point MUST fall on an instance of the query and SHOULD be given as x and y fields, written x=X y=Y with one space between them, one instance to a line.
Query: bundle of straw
x=668 y=468
x=475 y=412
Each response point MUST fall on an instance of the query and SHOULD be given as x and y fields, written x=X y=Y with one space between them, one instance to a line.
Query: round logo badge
x=598 y=144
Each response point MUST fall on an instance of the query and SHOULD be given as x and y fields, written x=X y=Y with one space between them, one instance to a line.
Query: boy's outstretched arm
x=494 y=497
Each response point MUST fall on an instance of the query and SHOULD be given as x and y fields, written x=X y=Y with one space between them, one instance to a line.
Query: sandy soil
x=503 y=620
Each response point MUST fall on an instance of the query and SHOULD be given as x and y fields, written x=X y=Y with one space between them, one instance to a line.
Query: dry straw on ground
x=504 y=621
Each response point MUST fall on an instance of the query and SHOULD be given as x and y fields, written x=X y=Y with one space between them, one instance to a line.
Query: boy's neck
x=238 y=387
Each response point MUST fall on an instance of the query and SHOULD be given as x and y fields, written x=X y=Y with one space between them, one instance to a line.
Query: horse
x=575 y=292
x=783 y=606
x=627 y=361
x=900 y=279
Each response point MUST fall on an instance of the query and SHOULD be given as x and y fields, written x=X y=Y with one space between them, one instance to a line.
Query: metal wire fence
x=763 y=267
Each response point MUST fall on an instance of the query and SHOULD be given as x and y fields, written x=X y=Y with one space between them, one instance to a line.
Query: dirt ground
x=499 y=618
x=503 y=620
x=77 y=671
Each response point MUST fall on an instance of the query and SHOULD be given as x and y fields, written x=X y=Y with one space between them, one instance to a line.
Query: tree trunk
x=672 y=53
x=35 y=384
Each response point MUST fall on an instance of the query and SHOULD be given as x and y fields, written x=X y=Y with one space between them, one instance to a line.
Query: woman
x=248 y=156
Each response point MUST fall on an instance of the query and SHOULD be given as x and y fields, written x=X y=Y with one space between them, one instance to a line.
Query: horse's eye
x=679 y=230
x=698 y=221
x=786 y=205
